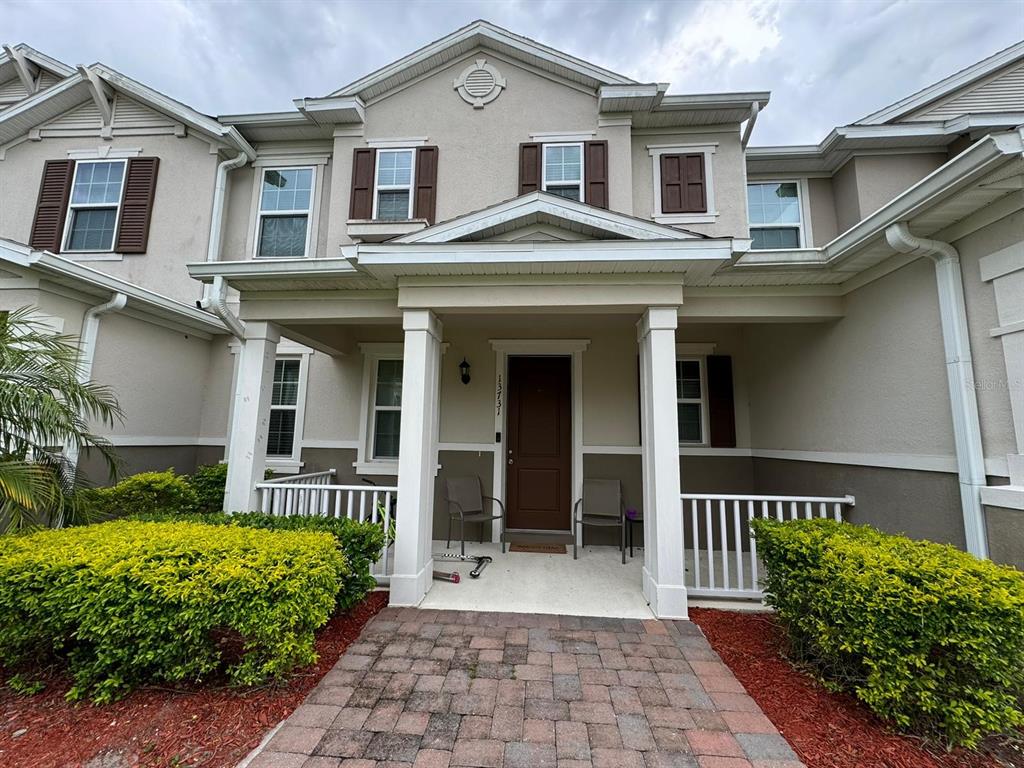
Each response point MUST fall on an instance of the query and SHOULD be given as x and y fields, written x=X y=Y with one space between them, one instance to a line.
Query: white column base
x=669 y=601
x=409 y=590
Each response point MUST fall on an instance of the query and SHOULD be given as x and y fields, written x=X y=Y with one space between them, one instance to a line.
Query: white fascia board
x=552 y=205
x=481 y=31
x=734 y=100
x=173 y=108
x=333 y=109
x=38 y=98
x=385 y=254
x=271 y=268
x=43 y=61
x=91 y=281
x=946 y=86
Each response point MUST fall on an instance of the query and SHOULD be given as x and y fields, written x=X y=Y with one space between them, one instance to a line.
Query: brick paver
x=433 y=689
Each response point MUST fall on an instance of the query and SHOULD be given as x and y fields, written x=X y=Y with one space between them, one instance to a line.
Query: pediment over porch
x=543 y=217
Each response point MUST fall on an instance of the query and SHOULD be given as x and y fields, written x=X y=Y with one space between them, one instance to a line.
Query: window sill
x=376 y=468
x=686 y=218
x=372 y=231
x=285 y=466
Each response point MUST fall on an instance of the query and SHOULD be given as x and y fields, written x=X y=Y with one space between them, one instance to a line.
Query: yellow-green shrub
x=146 y=492
x=129 y=602
x=927 y=636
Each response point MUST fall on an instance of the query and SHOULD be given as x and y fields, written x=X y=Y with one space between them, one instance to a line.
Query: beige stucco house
x=493 y=259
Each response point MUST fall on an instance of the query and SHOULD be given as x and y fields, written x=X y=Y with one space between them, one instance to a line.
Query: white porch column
x=250 y=415
x=663 y=529
x=417 y=457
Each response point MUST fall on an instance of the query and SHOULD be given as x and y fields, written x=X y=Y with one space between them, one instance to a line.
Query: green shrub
x=927 y=636
x=131 y=602
x=145 y=493
x=209 y=481
x=360 y=543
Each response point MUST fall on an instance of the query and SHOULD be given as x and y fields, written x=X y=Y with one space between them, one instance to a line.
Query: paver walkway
x=434 y=689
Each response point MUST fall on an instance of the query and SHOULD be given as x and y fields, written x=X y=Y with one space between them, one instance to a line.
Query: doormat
x=539 y=549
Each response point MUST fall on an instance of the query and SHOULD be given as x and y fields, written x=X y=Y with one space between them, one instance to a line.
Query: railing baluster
x=696 y=543
x=807 y=511
x=778 y=511
x=793 y=514
x=753 y=545
x=839 y=512
x=738 y=536
x=362 y=506
x=710 y=542
x=723 y=539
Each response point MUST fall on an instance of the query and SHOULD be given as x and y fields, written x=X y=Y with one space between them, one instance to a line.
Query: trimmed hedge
x=129 y=602
x=927 y=636
x=361 y=543
x=146 y=492
x=208 y=482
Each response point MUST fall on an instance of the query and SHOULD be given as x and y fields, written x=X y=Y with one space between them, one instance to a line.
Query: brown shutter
x=52 y=205
x=595 y=171
x=682 y=184
x=721 y=406
x=361 y=202
x=137 y=204
x=530 y=157
x=425 y=203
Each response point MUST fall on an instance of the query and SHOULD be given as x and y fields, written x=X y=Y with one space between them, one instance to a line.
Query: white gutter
x=755 y=109
x=87 y=351
x=970 y=457
x=215 y=297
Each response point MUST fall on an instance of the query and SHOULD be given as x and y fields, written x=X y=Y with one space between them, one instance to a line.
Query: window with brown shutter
x=363 y=168
x=595 y=173
x=683 y=186
x=137 y=205
x=530 y=158
x=52 y=205
x=425 y=202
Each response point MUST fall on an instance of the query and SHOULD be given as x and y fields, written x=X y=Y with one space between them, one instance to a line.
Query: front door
x=539 y=449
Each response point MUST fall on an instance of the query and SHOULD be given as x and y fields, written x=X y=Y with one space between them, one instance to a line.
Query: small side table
x=630 y=521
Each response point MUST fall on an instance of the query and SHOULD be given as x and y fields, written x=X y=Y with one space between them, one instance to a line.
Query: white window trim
x=702 y=401
x=804 y=226
x=373 y=353
x=544 y=167
x=282 y=465
x=563 y=137
x=313 y=205
x=394 y=187
x=419 y=141
x=72 y=207
x=708 y=150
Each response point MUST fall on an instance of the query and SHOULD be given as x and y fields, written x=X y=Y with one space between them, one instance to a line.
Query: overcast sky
x=826 y=63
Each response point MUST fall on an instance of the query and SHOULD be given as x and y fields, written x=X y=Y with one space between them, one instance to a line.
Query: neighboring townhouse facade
x=493 y=259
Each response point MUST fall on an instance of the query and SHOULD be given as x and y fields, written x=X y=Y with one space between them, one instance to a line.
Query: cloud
x=826 y=63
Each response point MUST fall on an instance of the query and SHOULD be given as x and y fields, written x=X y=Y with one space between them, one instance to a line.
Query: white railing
x=315 y=495
x=720 y=555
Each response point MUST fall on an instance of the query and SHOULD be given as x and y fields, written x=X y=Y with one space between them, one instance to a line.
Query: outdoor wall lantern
x=464 y=370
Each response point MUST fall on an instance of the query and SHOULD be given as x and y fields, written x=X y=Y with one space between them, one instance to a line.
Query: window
x=94 y=206
x=286 y=201
x=684 y=183
x=284 y=407
x=392 y=199
x=563 y=170
x=387 y=409
x=776 y=220
x=691 y=400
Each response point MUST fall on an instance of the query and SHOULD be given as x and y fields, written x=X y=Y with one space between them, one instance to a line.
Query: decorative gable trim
x=618 y=225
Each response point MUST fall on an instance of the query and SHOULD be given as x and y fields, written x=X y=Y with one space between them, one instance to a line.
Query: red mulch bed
x=203 y=726
x=827 y=730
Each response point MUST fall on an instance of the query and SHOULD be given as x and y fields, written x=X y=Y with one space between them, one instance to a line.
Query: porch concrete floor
x=597 y=584
x=424 y=688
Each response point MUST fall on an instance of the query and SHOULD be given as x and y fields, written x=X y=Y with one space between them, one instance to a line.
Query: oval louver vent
x=479 y=83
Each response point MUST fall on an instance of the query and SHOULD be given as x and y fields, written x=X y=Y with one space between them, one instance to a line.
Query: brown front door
x=539 y=450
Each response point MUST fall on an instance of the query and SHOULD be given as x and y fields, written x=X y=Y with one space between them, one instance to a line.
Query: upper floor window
x=95 y=205
x=776 y=218
x=285 y=210
x=563 y=170
x=393 y=198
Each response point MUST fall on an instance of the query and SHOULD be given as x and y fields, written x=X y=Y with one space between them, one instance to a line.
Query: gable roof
x=945 y=87
x=544 y=208
x=24 y=71
x=464 y=40
x=82 y=86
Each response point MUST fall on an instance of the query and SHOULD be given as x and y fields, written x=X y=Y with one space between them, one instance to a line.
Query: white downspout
x=87 y=351
x=970 y=457
x=215 y=296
